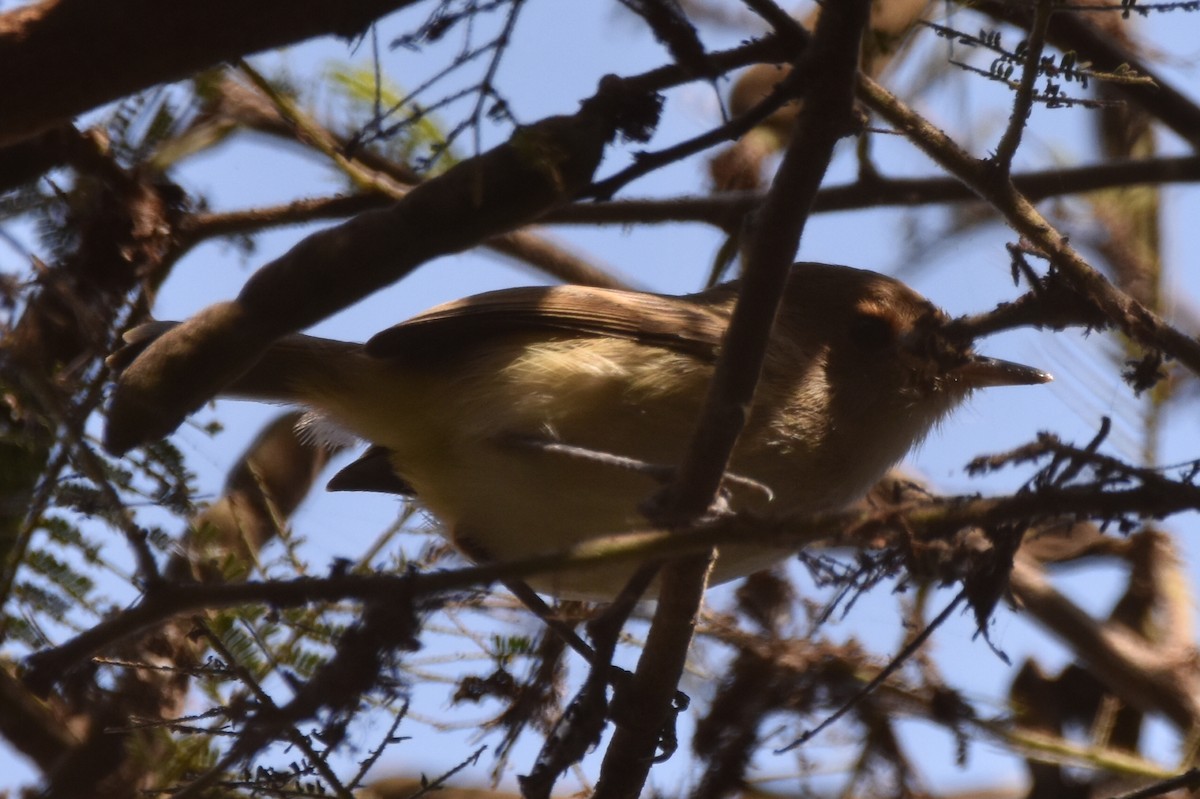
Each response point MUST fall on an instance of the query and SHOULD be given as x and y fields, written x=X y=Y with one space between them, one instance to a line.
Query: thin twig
x=1133 y=318
x=486 y=88
x=788 y=89
x=268 y=705
x=1188 y=780
x=1023 y=102
x=899 y=660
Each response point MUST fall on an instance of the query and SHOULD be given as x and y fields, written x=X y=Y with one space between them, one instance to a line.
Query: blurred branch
x=803 y=676
x=1149 y=678
x=264 y=487
x=1189 y=781
x=1074 y=32
x=54 y=44
x=727 y=209
x=204 y=225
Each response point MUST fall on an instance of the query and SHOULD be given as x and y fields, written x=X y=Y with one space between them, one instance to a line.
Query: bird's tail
x=287 y=372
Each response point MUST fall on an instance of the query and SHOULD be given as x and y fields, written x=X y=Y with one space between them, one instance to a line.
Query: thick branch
x=542 y=166
x=64 y=57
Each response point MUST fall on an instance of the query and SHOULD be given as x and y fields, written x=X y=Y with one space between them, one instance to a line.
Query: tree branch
x=540 y=167
x=727 y=210
x=1073 y=32
x=828 y=66
x=1137 y=673
x=73 y=57
x=1134 y=319
x=930 y=519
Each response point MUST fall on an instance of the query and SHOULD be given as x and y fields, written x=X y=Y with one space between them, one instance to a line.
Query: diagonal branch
x=831 y=62
x=1122 y=660
x=542 y=166
x=1133 y=318
x=57 y=45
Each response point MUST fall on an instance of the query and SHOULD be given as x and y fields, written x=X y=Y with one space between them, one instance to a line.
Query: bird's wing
x=694 y=325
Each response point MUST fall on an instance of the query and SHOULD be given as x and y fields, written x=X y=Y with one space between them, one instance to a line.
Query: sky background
x=559 y=53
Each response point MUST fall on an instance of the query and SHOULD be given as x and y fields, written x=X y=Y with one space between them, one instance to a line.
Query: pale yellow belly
x=455 y=441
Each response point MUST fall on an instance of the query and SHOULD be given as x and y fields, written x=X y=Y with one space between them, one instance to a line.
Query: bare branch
x=830 y=64
x=1134 y=319
x=1023 y=102
x=55 y=45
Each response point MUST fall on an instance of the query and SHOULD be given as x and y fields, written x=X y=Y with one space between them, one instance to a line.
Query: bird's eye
x=871 y=332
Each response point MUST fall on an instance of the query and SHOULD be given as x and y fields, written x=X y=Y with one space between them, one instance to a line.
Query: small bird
x=528 y=420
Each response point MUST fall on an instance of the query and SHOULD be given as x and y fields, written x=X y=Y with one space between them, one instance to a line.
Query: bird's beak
x=983 y=372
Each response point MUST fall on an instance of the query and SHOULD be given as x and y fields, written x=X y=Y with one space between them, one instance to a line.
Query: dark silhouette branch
x=830 y=63
x=494 y=193
x=56 y=45
x=929 y=519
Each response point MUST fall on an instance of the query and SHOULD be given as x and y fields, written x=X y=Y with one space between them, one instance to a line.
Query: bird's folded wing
x=694 y=325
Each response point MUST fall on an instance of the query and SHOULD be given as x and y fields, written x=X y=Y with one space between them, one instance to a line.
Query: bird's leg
x=604 y=629
x=582 y=722
x=527 y=597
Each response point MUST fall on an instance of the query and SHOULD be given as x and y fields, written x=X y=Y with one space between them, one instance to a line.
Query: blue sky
x=560 y=52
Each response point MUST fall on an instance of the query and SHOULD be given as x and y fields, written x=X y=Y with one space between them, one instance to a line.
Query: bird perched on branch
x=528 y=420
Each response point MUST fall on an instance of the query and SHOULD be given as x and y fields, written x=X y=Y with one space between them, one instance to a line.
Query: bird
x=532 y=419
